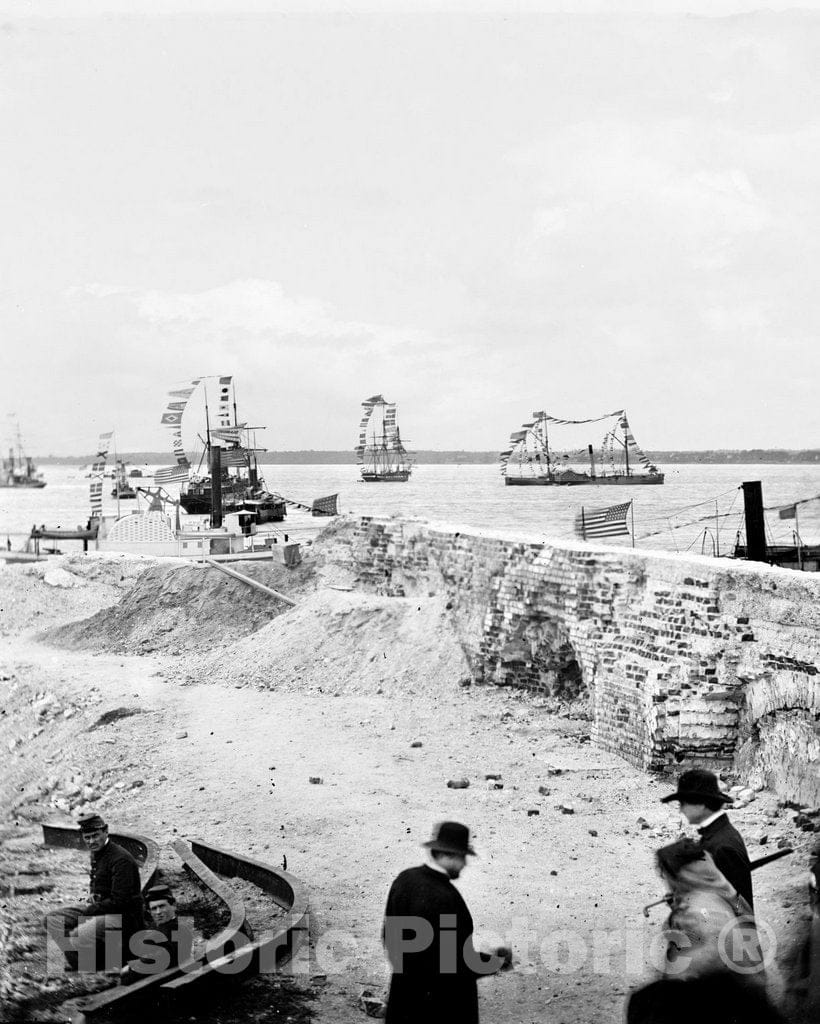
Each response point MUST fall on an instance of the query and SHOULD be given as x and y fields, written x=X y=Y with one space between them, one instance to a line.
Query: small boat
x=122 y=489
x=380 y=453
x=18 y=469
x=543 y=454
x=135 y=473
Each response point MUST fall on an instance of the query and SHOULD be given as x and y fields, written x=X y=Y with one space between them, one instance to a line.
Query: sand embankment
x=343 y=688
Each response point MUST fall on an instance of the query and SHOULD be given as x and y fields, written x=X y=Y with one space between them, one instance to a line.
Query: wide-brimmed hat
x=91 y=823
x=450 y=837
x=696 y=786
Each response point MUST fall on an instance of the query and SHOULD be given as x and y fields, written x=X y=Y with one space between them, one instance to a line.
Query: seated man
x=166 y=945
x=92 y=937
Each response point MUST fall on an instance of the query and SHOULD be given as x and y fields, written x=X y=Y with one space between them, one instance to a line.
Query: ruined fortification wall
x=684 y=660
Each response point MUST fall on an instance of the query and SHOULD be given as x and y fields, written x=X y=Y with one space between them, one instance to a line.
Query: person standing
x=428 y=935
x=115 y=908
x=702 y=804
x=711 y=927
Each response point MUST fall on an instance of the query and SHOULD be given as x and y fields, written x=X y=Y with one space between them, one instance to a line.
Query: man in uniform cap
x=702 y=803
x=166 y=944
x=428 y=934
x=81 y=931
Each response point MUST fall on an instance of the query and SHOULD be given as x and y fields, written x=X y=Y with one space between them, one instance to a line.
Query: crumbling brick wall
x=683 y=659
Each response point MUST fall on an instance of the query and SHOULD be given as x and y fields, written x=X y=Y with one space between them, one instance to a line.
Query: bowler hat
x=450 y=837
x=696 y=787
x=91 y=823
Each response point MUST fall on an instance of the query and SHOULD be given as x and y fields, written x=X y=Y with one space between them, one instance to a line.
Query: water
x=475 y=496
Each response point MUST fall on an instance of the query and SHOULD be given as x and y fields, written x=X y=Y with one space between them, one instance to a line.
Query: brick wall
x=683 y=660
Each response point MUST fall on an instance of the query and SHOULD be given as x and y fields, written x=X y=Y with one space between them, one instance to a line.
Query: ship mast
x=626 y=444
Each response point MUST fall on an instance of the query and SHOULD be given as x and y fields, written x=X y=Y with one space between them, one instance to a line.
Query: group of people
x=713 y=959
x=121 y=929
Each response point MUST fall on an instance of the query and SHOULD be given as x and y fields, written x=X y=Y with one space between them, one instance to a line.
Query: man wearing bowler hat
x=702 y=803
x=428 y=934
x=114 y=912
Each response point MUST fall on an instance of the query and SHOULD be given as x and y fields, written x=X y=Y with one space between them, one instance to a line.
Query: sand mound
x=178 y=608
x=335 y=641
x=60 y=590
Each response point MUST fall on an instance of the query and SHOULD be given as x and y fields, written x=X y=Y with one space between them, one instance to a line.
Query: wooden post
x=216 y=486
x=755 y=524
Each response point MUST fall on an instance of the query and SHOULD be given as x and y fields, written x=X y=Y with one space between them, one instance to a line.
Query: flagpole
x=717 y=531
x=116 y=478
x=632 y=513
x=797 y=535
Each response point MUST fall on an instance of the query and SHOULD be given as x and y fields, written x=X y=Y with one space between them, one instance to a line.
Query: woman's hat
x=450 y=837
x=676 y=855
x=697 y=786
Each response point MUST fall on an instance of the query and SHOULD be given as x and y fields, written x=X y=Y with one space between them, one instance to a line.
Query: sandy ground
x=562 y=873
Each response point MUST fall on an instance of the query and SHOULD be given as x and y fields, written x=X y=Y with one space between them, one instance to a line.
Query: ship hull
x=36 y=484
x=599 y=481
x=399 y=477
x=266 y=511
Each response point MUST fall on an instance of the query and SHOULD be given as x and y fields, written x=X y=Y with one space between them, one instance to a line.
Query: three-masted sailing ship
x=380 y=452
x=18 y=470
x=228 y=444
x=543 y=453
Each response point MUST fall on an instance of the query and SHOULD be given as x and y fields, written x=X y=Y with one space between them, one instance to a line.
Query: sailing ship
x=18 y=469
x=122 y=489
x=229 y=454
x=542 y=453
x=380 y=453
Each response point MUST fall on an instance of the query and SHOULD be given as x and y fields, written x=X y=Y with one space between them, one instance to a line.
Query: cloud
x=256 y=308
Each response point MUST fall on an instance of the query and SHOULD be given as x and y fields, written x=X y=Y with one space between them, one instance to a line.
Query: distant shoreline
x=717 y=456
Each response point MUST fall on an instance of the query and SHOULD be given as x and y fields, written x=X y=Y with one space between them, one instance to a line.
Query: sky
x=478 y=212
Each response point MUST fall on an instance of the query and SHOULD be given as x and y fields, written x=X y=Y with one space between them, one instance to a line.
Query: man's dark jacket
x=436 y=984
x=115 y=886
x=723 y=841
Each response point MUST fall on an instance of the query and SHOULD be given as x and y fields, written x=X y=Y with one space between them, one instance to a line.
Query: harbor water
x=699 y=508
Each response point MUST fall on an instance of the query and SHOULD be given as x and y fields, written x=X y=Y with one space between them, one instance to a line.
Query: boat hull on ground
x=399 y=477
x=582 y=481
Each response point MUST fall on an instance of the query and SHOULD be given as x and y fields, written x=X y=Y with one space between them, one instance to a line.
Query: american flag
x=171 y=474
x=602 y=522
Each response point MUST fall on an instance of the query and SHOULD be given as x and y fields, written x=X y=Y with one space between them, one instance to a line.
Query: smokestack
x=216 y=485
x=755 y=525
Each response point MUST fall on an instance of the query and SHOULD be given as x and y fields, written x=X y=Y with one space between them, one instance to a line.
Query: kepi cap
x=159 y=892
x=91 y=823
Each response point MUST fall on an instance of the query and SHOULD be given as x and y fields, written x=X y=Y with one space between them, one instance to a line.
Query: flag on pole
x=789 y=512
x=170 y=474
x=602 y=522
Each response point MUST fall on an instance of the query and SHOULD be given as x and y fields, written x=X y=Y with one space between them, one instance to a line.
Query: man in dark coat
x=166 y=944
x=94 y=936
x=701 y=803
x=428 y=934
